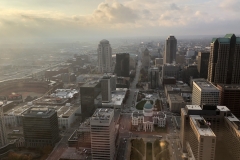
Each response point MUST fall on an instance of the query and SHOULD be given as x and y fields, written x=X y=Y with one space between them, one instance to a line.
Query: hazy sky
x=113 y=18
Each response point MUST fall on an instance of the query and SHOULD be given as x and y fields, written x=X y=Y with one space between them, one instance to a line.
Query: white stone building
x=146 y=119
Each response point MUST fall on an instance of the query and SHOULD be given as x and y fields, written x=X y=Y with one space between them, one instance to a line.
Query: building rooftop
x=176 y=98
x=117 y=97
x=148 y=105
x=103 y=115
x=64 y=93
x=39 y=112
x=230 y=86
x=71 y=153
x=223 y=108
x=193 y=107
x=206 y=86
x=201 y=126
x=62 y=111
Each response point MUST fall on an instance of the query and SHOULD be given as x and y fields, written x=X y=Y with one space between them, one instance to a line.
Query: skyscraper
x=104 y=56
x=170 y=50
x=224 y=60
x=106 y=88
x=230 y=97
x=122 y=65
x=202 y=64
x=154 y=77
x=3 y=136
x=102 y=134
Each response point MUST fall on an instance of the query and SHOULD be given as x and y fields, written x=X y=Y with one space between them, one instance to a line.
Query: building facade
x=104 y=56
x=224 y=60
x=3 y=134
x=122 y=64
x=230 y=97
x=146 y=59
x=170 y=50
x=148 y=118
x=210 y=132
x=171 y=70
x=202 y=64
x=106 y=88
x=205 y=92
x=102 y=134
x=40 y=127
x=154 y=77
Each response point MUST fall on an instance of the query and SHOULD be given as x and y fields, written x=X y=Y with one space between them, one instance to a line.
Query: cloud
x=230 y=5
x=136 y=17
x=114 y=13
x=173 y=6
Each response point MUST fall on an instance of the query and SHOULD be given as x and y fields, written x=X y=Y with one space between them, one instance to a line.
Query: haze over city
x=41 y=20
x=119 y=80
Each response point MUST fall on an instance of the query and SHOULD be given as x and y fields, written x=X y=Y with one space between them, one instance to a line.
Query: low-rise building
x=146 y=119
x=66 y=114
x=176 y=102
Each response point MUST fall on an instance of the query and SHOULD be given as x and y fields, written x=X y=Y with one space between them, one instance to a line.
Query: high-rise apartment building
x=102 y=134
x=106 y=88
x=122 y=64
x=170 y=50
x=204 y=93
x=224 y=60
x=3 y=135
x=202 y=64
x=40 y=127
x=104 y=56
x=210 y=132
x=230 y=97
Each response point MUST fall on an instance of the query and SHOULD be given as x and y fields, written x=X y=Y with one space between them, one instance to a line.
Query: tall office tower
x=210 y=132
x=170 y=50
x=104 y=56
x=146 y=59
x=202 y=64
x=205 y=93
x=122 y=64
x=230 y=97
x=224 y=60
x=40 y=127
x=154 y=77
x=102 y=134
x=106 y=88
x=89 y=92
x=3 y=135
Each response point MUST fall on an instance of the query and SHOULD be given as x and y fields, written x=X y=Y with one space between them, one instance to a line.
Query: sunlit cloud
x=119 y=17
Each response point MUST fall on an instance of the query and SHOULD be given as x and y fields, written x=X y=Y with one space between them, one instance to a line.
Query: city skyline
x=111 y=18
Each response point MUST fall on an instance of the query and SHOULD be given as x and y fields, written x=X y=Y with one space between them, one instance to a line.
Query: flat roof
x=71 y=153
x=64 y=93
x=206 y=86
x=175 y=98
x=206 y=131
x=62 y=111
x=102 y=114
x=193 y=107
x=223 y=108
x=117 y=97
x=230 y=86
